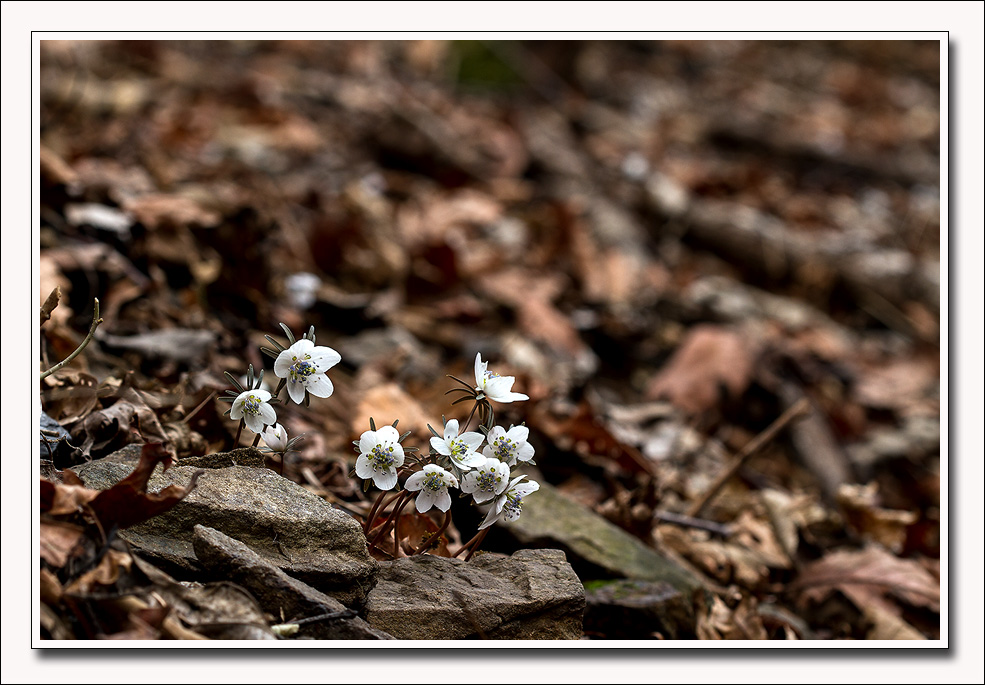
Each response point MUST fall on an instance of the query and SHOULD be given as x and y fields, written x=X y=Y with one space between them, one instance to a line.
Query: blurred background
x=668 y=243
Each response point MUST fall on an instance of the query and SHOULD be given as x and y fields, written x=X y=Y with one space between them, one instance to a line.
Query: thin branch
x=753 y=446
x=691 y=522
x=92 y=329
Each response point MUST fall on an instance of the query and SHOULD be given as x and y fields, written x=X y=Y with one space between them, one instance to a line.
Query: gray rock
x=601 y=548
x=218 y=611
x=532 y=595
x=636 y=609
x=241 y=456
x=285 y=524
x=285 y=598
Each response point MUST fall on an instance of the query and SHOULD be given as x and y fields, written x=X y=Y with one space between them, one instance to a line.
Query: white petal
x=385 y=480
x=440 y=446
x=367 y=441
x=253 y=422
x=363 y=468
x=470 y=482
x=518 y=433
x=514 y=482
x=491 y=518
x=301 y=348
x=282 y=365
x=320 y=385
x=496 y=433
x=469 y=460
x=514 y=397
x=267 y=413
x=481 y=496
x=415 y=480
x=388 y=434
x=526 y=488
x=526 y=452
x=324 y=358
x=443 y=500
x=473 y=440
x=236 y=412
x=451 y=429
x=424 y=501
x=488 y=453
x=262 y=395
x=398 y=455
x=498 y=388
x=480 y=369
x=296 y=391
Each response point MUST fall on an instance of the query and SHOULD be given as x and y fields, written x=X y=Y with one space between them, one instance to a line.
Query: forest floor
x=670 y=245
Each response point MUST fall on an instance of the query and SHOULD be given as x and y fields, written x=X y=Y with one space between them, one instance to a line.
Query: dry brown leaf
x=886 y=624
x=157 y=211
x=429 y=219
x=710 y=359
x=888 y=527
x=416 y=528
x=899 y=384
x=50 y=588
x=540 y=320
x=719 y=622
x=758 y=536
x=106 y=572
x=726 y=562
x=59 y=499
x=54 y=169
x=50 y=276
x=387 y=402
x=58 y=541
x=868 y=577
x=71 y=396
x=585 y=433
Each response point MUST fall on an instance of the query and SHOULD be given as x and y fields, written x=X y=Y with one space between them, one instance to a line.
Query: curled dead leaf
x=888 y=527
x=871 y=578
x=711 y=361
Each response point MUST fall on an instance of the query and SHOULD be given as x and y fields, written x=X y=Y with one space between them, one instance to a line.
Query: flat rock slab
x=637 y=609
x=278 y=593
x=285 y=524
x=550 y=519
x=531 y=595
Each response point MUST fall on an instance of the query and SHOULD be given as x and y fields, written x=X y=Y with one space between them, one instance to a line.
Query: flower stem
x=239 y=432
x=434 y=536
x=472 y=544
x=96 y=320
x=368 y=525
x=256 y=440
x=401 y=501
x=469 y=420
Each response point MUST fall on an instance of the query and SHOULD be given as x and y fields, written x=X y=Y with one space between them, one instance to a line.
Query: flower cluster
x=302 y=369
x=478 y=462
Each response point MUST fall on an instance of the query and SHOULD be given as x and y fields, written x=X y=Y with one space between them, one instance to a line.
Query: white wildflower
x=460 y=448
x=509 y=505
x=492 y=385
x=433 y=482
x=275 y=438
x=380 y=457
x=253 y=406
x=509 y=446
x=304 y=364
x=487 y=481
